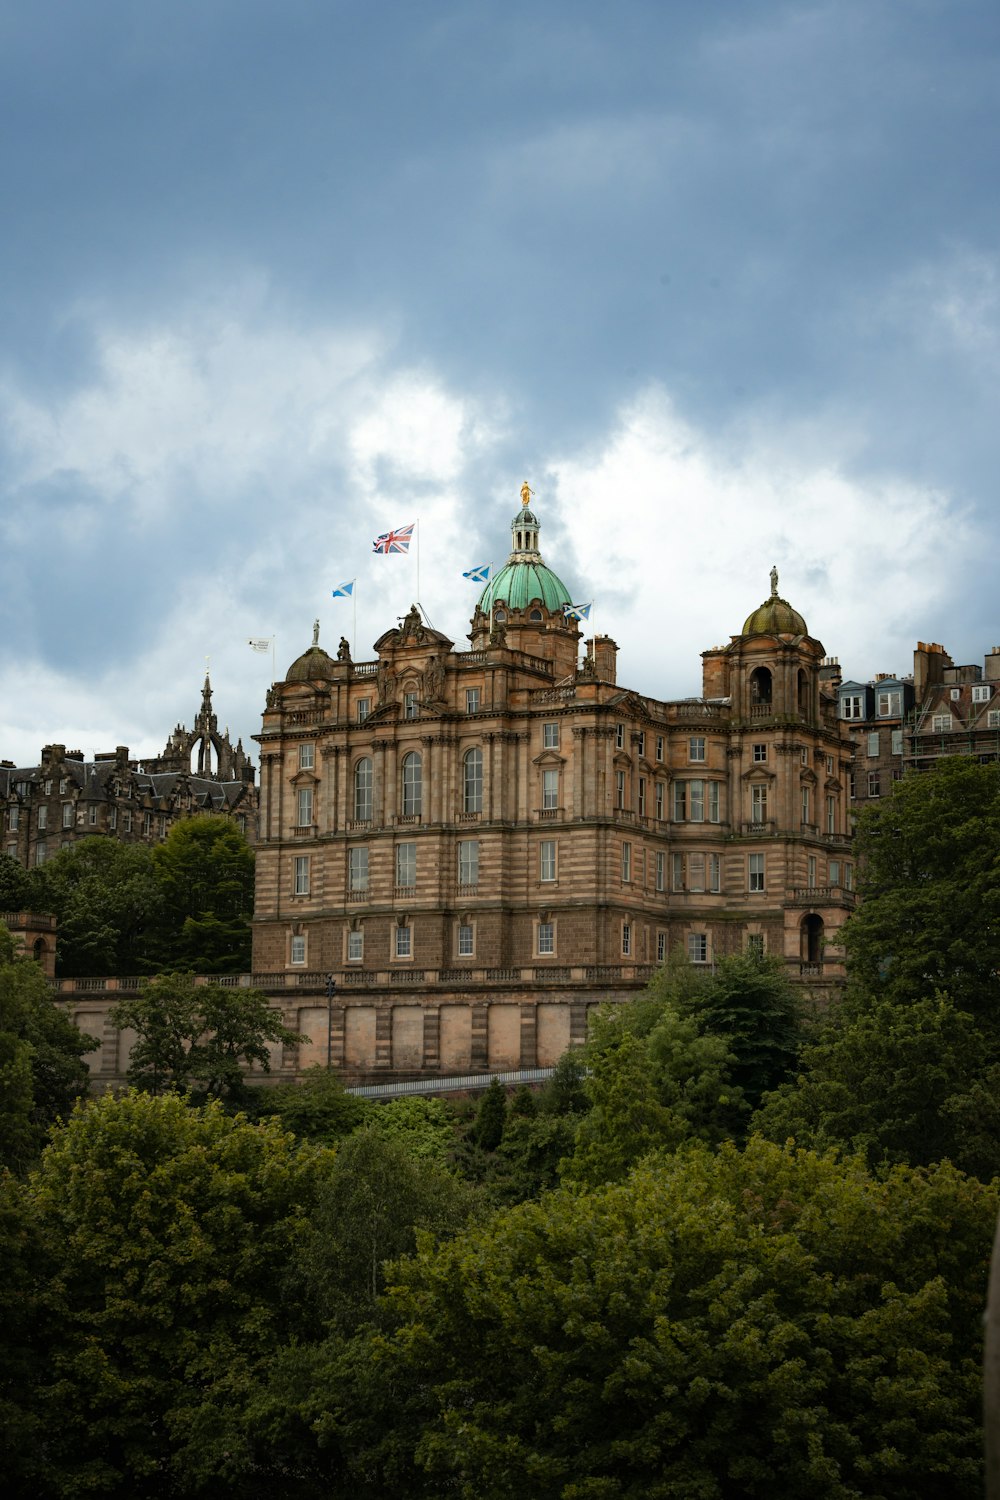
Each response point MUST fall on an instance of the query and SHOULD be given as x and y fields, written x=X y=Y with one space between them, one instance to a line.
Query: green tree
x=929 y=919
x=169 y=1233
x=317 y=1108
x=425 y=1128
x=205 y=869
x=107 y=901
x=42 y=1072
x=200 y=1036
x=491 y=1116
x=15 y=885
x=734 y=1323
x=902 y=1083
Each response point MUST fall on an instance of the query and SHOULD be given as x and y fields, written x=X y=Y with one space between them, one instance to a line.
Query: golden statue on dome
x=526 y=494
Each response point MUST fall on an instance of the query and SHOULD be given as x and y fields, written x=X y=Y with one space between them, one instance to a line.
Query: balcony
x=403 y=892
x=305 y=830
x=359 y=894
x=469 y=817
x=762 y=828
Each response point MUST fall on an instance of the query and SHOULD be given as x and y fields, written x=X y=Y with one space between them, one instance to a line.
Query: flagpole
x=418 y=562
x=273 y=668
x=354 y=632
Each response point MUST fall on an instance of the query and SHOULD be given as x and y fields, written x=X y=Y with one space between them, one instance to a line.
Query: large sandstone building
x=478 y=845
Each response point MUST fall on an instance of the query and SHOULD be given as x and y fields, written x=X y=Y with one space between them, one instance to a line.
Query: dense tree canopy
x=108 y=904
x=205 y=868
x=722 y=1324
x=929 y=918
x=41 y=1068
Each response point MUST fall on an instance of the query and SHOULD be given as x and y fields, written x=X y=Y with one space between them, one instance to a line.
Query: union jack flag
x=394 y=541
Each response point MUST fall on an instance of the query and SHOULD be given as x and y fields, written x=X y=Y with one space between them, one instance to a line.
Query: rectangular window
x=698 y=947
x=642 y=796
x=713 y=802
x=468 y=861
x=550 y=736
x=40 y=852
x=364 y=709
x=850 y=707
x=466 y=940
x=993 y=719
x=806 y=798
x=661 y=947
x=404 y=942
x=307 y=757
x=897 y=742
x=758 y=804
x=43 y=818
x=547 y=859
x=357 y=869
x=874 y=784
x=696 y=747
x=626 y=862
x=126 y=821
x=626 y=939
x=48 y=789
x=697 y=812
x=680 y=801
x=659 y=800
x=302 y=875
x=550 y=790
x=12 y=851
x=304 y=806
x=619 y=788
x=676 y=872
x=755 y=944
x=850 y=785
x=714 y=872
x=696 y=872
x=660 y=872
x=406 y=865
x=831 y=815
x=14 y=819
x=619 y=736
x=546 y=937
x=941 y=723
x=804 y=756
x=873 y=745
x=829 y=765
x=411 y=709
x=659 y=747
x=63 y=783
x=355 y=947
x=641 y=743
x=113 y=818
x=848 y=877
x=833 y=874
x=887 y=705
x=147 y=823
x=472 y=700
x=982 y=692
x=811 y=880
x=759 y=753
x=67 y=815
x=92 y=817
x=298 y=953
x=756 y=872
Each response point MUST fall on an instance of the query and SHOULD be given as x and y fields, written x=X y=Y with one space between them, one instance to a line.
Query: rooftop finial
x=774 y=582
x=526 y=494
x=315 y=632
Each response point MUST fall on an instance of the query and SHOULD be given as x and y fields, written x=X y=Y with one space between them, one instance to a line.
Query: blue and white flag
x=479 y=574
x=343 y=590
x=578 y=611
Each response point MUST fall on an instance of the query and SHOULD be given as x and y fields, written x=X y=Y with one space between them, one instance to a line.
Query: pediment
x=549 y=758
x=759 y=773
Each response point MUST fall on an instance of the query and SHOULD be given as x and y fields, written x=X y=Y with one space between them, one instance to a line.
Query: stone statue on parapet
x=774 y=582
x=344 y=649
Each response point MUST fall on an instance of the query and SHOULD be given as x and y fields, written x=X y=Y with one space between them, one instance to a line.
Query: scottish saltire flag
x=480 y=574
x=260 y=643
x=394 y=541
x=577 y=611
x=344 y=590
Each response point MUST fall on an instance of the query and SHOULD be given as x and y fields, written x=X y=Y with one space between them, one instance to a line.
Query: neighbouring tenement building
x=47 y=807
x=479 y=845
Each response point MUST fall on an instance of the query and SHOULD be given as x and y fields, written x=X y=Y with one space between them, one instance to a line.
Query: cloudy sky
x=720 y=278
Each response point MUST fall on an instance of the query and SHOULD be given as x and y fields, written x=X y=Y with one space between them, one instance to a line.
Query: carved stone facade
x=46 y=807
x=478 y=845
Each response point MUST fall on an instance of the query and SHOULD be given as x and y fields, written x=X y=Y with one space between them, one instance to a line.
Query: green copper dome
x=775 y=616
x=525 y=576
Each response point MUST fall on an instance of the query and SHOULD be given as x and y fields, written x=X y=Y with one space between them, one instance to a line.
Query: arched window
x=363 y=791
x=760 y=685
x=472 y=797
x=412 y=784
x=500 y=615
x=812 y=938
x=536 y=614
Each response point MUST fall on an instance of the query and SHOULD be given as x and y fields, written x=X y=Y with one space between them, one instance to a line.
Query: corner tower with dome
x=463 y=851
